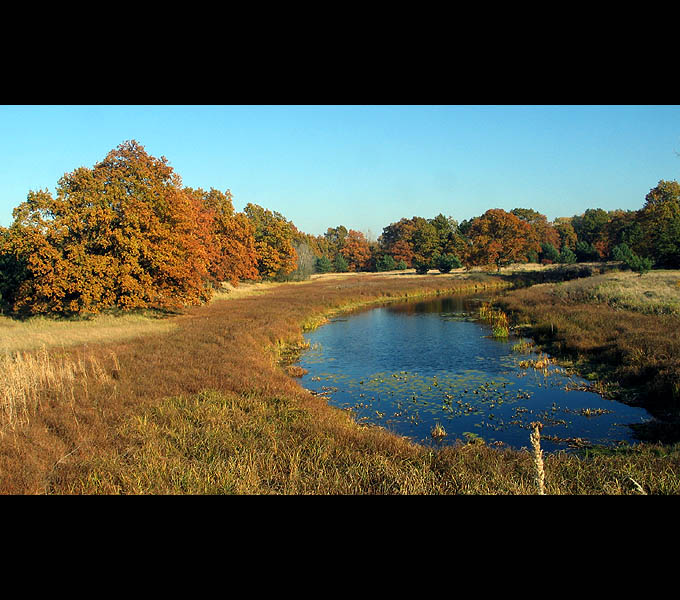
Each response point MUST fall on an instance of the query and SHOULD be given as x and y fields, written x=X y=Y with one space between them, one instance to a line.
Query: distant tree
x=305 y=265
x=401 y=252
x=356 y=251
x=585 y=252
x=565 y=230
x=567 y=256
x=341 y=264
x=541 y=231
x=499 y=238
x=631 y=260
x=422 y=266
x=660 y=223
x=228 y=237
x=324 y=265
x=549 y=252
x=591 y=228
x=274 y=241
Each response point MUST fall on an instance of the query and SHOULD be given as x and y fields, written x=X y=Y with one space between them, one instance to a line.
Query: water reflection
x=412 y=366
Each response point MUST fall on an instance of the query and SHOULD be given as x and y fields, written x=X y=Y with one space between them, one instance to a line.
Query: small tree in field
x=385 y=263
x=341 y=264
x=422 y=266
x=446 y=262
x=324 y=265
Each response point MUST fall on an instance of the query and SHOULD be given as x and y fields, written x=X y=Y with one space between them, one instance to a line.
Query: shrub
x=549 y=252
x=586 y=252
x=631 y=260
x=324 y=265
x=401 y=265
x=421 y=266
x=567 y=256
x=385 y=263
x=341 y=264
x=446 y=262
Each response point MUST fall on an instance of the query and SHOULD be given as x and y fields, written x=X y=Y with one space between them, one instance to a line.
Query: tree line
x=128 y=234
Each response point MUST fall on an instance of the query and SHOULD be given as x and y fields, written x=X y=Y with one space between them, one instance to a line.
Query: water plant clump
x=500 y=327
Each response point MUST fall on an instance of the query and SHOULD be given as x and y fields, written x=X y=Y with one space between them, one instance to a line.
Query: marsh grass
x=208 y=408
x=33 y=379
x=616 y=329
x=497 y=319
x=657 y=292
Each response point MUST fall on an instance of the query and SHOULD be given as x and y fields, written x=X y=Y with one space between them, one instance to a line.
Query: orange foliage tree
x=273 y=240
x=122 y=234
x=356 y=250
x=227 y=237
x=499 y=238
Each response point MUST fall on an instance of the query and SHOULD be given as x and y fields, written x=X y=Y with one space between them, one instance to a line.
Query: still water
x=413 y=366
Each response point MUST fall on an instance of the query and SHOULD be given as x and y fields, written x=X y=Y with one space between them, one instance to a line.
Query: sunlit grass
x=39 y=331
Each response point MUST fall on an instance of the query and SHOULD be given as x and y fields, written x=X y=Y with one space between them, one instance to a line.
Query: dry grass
x=657 y=292
x=617 y=327
x=44 y=332
x=208 y=408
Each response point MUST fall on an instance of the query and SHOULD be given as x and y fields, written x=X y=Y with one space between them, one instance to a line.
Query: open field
x=207 y=406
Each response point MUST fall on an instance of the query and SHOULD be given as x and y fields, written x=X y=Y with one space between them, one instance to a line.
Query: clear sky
x=362 y=166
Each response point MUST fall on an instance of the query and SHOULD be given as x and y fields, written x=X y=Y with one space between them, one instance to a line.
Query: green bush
x=385 y=263
x=567 y=256
x=549 y=252
x=631 y=260
x=402 y=265
x=341 y=264
x=446 y=262
x=324 y=265
x=421 y=266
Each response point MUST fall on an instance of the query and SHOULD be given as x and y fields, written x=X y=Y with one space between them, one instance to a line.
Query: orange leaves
x=499 y=238
x=356 y=250
x=121 y=234
x=273 y=241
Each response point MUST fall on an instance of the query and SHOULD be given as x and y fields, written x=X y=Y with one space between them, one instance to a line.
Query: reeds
x=32 y=379
x=500 y=327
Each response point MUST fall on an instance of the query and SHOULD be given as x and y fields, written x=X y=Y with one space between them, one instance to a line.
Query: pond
x=427 y=367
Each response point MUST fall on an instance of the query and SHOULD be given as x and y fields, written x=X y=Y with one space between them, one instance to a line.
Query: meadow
x=205 y=402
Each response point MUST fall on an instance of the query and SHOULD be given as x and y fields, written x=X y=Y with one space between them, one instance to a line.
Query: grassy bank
x=618 y=329
x=206 y=407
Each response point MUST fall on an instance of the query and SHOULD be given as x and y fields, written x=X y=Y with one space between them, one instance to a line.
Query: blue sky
x=362 y=166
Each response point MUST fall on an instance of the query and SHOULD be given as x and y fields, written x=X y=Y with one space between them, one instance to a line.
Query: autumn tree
x=356 y=251
x=121 y=234
x=542 y=232
x=660 y=223
x=499 y=238
x=274 y=241
x=591 y=228
x=227 y=236
x=565 y=230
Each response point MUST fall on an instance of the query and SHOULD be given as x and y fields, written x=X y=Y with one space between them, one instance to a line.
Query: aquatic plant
x=500 y=327
x=438 y=431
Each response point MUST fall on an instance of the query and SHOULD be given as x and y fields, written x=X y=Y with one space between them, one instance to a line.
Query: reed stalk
x=535 y=438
